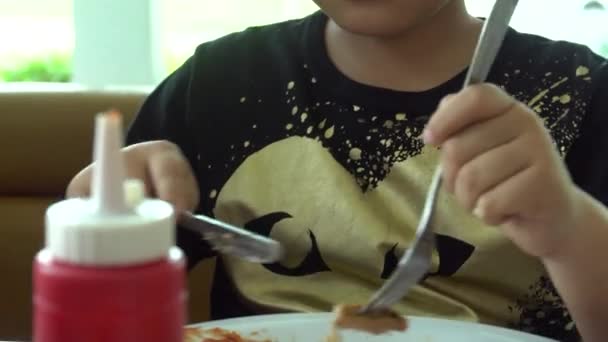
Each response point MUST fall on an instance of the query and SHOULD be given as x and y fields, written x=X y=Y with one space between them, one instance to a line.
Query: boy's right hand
x=160 y=165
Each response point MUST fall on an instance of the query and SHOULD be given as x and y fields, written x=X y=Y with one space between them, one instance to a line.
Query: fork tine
x=397 y=286
x=411 y=269
x=416 y=261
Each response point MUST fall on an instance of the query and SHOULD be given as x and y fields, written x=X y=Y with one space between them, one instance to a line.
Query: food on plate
x=347 y=317
x=375 y=322
x=218 y=335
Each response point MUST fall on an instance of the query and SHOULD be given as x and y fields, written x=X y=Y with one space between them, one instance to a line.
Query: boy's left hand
x=499 y=161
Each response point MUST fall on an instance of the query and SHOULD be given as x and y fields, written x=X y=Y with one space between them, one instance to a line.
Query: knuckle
x=468 y=185
x=151 y=148
x=177 y=192
x=170 y=164
x=173 y=173
x=451 y=152
x=165 y=169
x=477 y=94
x=165 y=145
x=528 y=115
x=449 y=175
x=529 y=120
x=469 y=176
x=181 y=168
x=488 y=209
x=487 y=89
x=167 y=189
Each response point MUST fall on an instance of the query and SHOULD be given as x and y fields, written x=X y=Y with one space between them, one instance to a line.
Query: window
x=580 y=21
x=146 y=39
x=187 y=23
x=36 y=41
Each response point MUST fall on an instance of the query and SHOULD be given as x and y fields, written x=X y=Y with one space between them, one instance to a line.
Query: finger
x=476 y=140
x=135 y=167
x=510 y=200
x=80 y=185
x=489 y=170
x=173 y=180
x=473 y=104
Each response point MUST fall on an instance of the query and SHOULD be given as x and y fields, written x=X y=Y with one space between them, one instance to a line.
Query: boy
x=324 y=132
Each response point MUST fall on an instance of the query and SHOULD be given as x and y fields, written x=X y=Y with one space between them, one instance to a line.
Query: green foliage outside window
x=50 y=68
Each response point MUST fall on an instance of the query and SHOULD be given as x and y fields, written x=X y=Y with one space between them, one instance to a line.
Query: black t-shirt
x=284 y=144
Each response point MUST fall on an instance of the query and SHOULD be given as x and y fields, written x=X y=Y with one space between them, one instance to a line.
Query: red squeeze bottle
x=109 y=271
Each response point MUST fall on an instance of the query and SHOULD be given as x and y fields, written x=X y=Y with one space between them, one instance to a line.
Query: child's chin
x=380 y=17
x=377 y=22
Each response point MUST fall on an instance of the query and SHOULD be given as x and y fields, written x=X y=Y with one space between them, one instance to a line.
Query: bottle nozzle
x=108 y=173
x=110 y=228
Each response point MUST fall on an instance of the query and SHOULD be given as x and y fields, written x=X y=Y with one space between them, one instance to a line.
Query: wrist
x=588 y=229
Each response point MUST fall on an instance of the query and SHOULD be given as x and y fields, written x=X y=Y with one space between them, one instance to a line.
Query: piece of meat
x=376 y=322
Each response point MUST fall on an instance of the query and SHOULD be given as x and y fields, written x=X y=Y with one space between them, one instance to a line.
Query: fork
x=416 y=261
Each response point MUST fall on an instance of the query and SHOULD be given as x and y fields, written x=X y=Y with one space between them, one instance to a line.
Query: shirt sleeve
x=164 y=116
x=588 y=160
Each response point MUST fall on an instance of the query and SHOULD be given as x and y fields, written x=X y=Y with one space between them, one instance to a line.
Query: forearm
x=580 y=272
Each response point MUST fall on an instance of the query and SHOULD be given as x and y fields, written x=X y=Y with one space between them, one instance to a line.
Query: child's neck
x=422 y=58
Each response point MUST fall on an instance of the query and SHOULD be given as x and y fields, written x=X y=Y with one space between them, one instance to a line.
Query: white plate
x=316 y=327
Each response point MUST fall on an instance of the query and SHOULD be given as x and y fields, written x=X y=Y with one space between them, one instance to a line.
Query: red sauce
x=224 y=336
x=219 y=335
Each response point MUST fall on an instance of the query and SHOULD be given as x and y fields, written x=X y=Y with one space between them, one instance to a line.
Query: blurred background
x=138 y=42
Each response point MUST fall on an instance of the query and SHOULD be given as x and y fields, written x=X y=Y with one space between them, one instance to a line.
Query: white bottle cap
x=117 y=225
